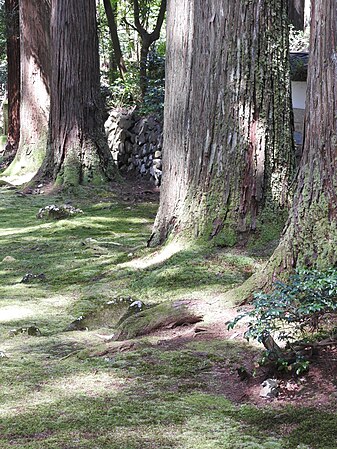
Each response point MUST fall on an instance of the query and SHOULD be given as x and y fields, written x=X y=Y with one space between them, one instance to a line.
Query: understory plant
x=293 y=312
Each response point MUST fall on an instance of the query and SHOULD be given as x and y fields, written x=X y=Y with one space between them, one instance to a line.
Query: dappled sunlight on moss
x=71 y=386
x=14 y=313
x=158 y=257
x=54 y=394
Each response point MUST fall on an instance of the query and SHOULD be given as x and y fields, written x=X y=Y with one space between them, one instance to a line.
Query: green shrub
x=292 y=311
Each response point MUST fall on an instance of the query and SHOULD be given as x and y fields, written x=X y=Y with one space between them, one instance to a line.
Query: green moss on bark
x=27 y=161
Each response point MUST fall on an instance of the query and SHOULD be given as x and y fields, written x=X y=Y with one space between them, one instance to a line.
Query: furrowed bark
x=310 y=237
x=228 y=158
x=77 y=150
x=13 y=76
x=35 y=88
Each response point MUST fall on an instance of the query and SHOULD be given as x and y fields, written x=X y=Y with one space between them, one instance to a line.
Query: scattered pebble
x=270 y=389
x=30 y=277
x=9 y=259
x=58 y=212
x=32 y=331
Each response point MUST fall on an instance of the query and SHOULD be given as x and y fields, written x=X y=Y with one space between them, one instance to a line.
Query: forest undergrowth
x=68 y=387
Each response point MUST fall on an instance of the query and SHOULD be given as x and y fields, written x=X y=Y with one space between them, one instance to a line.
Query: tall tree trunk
x=144 y=53
x=78 y=152
x=35 y=71
x=310 y=237
x=228 y=154
x=13 y=76
x=114 y=37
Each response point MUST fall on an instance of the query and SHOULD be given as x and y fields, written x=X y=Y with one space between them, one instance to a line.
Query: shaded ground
x=176 y=388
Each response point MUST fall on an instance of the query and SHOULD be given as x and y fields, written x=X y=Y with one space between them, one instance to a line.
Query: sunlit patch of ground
x=172 y=389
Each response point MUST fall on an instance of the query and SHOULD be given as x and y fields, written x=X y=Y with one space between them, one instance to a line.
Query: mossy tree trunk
x=310 y=236
x=77 y=151
x=35 y=74
x=13 y=76
x=228 y=157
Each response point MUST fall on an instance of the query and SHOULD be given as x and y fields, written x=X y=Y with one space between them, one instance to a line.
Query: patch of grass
x=55 y=397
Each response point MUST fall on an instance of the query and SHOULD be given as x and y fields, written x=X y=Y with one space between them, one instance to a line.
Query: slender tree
x=114 y=37
x=13 y=75
x=310 y=236
x=77 y=151
x=147 y=38
x=35 y=74
x=228 y=155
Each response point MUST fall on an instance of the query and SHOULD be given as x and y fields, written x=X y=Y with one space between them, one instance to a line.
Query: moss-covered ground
x=54 y=396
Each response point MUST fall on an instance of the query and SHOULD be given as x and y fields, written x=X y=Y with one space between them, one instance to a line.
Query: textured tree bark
x=78 y=152
x=13 y=76
x=35 y=72
x=310 y=237
x=228 y=156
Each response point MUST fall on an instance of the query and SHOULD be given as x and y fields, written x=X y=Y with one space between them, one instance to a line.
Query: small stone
x=77 y=325
x=157 y=163
x=58 y=212
x=157 y=154
x=137 y=304
x=109 y=359
x=8 y=259
x=32 y=331
x=30 y=277
x=270 y=389
x=125 y=122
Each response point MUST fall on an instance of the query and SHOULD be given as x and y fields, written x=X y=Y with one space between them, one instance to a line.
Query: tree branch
x=145 y=35
x=129 y=24
x=136 y=12
x=160 y=19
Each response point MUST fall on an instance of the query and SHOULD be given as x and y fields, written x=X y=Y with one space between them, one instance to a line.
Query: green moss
x=269 y=228
x=71 y=168
x=226 y=238
x=27 y=161
x=52 y=395
x=3 y=141
x=162 y=316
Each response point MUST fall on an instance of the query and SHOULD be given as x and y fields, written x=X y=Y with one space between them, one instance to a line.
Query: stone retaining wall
x=136 y=143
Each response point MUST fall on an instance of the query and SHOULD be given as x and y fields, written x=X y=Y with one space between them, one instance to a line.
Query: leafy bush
x=294 y=308
x=126 y=93
x=289 y=313
x=298 y=39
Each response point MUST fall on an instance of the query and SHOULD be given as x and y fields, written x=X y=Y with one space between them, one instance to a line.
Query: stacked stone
x=136 y=143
